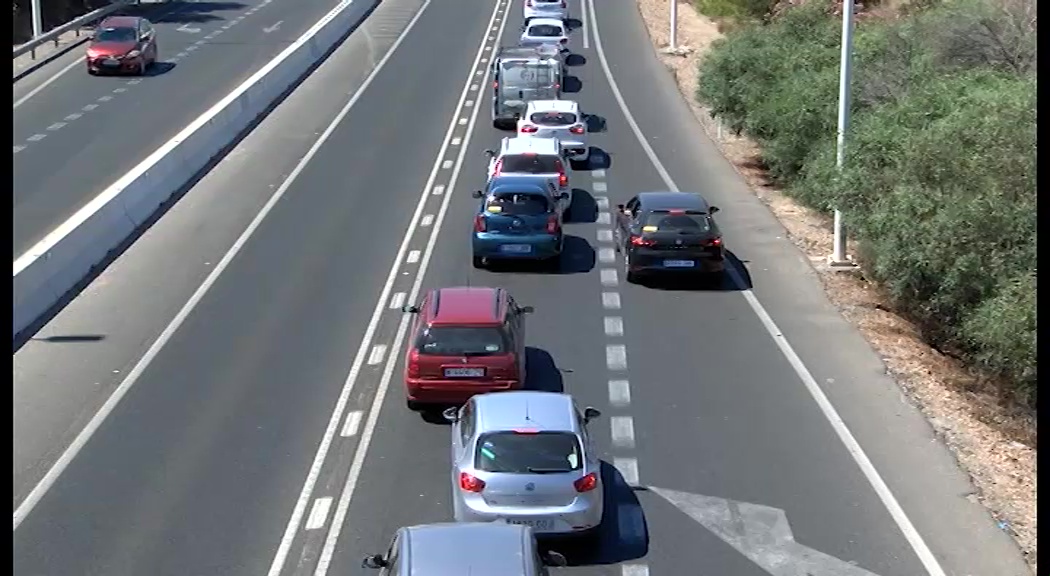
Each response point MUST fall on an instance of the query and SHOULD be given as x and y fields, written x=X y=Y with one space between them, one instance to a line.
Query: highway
x=271 y=395
x=76 y=134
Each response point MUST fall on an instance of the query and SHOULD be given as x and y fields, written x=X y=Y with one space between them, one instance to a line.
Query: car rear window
x=695 y=222
x=544 y=30
x=553 y=118
x=122 y=34
x=526 y=73
x=528 y=453
x=530 y=164
x=461 y=341
x=518 y=204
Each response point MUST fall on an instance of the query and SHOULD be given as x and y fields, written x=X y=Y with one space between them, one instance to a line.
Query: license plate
x=538 y=524
x=111 y=62
x=516 y=248
x=464 y=372
x=679 y=263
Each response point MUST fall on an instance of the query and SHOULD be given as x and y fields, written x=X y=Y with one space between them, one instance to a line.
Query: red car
x=122 y=44
x=465 y=341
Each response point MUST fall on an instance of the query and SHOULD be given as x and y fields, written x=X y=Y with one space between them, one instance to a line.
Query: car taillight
x=716 y=242
x=552 y=225
x=576 y=129
x=479 y=223
x=499 y=166
x=639 y=241
x=563 y=180
x=468 y=483
x=587 y=483
x=529 y=129
x=495 y=85
x=413 y=363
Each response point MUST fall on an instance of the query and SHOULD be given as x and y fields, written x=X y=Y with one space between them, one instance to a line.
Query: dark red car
x=465 y=341
x=121 y=45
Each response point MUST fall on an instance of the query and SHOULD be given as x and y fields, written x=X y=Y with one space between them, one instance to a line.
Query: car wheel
x=92 y=72
x=479 y=262
x=632 y=277
x=413 y=405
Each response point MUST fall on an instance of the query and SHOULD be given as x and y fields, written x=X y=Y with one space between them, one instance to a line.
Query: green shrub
x=741 y=10
x=1002 y=331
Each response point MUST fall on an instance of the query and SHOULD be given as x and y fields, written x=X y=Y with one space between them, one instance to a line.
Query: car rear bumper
x=658 y=263
x=495 y=246
x=559 y=14
x=582 y=517
x=423 y=391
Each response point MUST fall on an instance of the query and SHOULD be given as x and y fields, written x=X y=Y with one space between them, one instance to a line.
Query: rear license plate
x=516 y=248
x=537 y=524
x=111 y=62
x=464 y=372
x=679 y=263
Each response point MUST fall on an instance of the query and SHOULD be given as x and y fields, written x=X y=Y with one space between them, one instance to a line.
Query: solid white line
x=378 y=352
x=427 y=220
x=603 y=219
x=319 y=513
x=611 y=300
x=628 y=468
x=353 y=422
x=616 y=357
x=343 y=506
x=613 y=326
x=413 y=257
x=605 y=235
x=606 y=255
x=622 y=432
x=48 y=82
x=600 y=187
x=635 y=570
x=929 y=561
x=96 y=421
x=619 y=393
x=609 y=277
x=397 y=300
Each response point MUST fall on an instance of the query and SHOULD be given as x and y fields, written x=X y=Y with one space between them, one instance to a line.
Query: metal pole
x=674 y=25
x=839 y=256
x=37 y=25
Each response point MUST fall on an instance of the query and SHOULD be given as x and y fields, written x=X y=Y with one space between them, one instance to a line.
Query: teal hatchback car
x=518 y=219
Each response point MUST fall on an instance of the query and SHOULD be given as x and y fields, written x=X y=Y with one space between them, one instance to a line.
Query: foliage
x=738 y=10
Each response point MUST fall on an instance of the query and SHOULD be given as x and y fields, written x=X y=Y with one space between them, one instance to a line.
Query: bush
x=739 y=10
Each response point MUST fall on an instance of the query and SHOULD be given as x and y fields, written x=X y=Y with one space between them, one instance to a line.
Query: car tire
x=92 y=72
x=479 y=262
x=413 y=405
x=631 y=277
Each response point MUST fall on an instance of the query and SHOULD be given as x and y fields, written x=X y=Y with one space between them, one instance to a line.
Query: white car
x=544 y=31
x=557 y=9
x=534 y=158
x=560 y=119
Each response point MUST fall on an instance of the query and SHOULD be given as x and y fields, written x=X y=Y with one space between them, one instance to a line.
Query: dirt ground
x=995 y=444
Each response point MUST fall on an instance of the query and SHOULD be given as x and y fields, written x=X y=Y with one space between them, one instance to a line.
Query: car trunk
x=517 y=225
x=685 y=243
x=467 y=368
x=513 y=490
x=522 y=82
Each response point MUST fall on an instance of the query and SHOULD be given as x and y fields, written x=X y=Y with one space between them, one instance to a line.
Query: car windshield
x=526 y=74
x=552 y=118
x=517 y=204
x=115 y=35
x=665 y=221
x=461 y=341
x=544 y=31
x=530 y=164
x=528 y=453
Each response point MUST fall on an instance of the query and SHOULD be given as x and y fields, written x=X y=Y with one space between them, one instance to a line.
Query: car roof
x=518 y=145
x=120 y=22
x=458 y=549
x=544 y=411
x=547 y=21
x=554 y=105
x=673 y=201
x=526 y=184
x=466 y=305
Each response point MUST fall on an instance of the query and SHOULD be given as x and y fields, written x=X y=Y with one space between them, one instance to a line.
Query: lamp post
x=839 y=258
x=674 y=25
x=37 y=24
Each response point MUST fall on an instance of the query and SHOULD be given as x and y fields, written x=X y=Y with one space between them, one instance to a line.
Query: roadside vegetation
x=939 y=179
x=53 y=13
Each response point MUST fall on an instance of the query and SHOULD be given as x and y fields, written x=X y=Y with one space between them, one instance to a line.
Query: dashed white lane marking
x=413 y=256
x=212 y=35
x=619 y=393
x=613 y=326
x=635 y=570
x=73 y=116
x=438 y=190
x=352 y=424
x=598 y=174
x=473 y=87
x=622 y=432
x=397 y=300
x=427 y=220
x=105 y=98
x=479 y=72
x=468 y=103
x=319 y=513
x=609 y=277
x=600 y=187
x=89 y=107
x=446 y=165
x=606 y=255
x=611 y=300
x=605 y=235
x=134 y=81
x=602 y=202
x=628 y=467
x=56 y=126
x=19 y=149
x=462 y=122
x=119 y=90
x=616 y=357
x=228 y=25
x=377 y=355
x=182 y=54
x=456 y=141
x=604 y=218
x=36 y=137
x=191 y=48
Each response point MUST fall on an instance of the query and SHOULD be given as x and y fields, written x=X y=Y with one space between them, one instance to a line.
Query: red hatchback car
x=465 y=341
x=122 y=44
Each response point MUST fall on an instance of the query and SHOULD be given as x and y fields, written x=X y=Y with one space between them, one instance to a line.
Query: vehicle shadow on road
x=716 y=283
x=159 y=69
x=595 y=123
x=584 y=209
x=182 y=12
x=572 y=85
x=624 y=534
x=573 y=24
x=597 y=160
x=541 y=372
x=577 y=257
x=575 y=60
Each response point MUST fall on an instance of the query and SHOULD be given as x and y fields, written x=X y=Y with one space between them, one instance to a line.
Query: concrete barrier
x=69 y=254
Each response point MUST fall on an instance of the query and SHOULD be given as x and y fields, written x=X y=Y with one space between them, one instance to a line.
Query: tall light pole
x=674 y=25
x=839 y=258
x=37 y=25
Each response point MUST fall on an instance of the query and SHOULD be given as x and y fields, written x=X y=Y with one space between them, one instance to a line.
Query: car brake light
x=413 y=363
x=585 y=484
x=639 y=241
x=563 y=179
x=676 y=212
x=529 y=129
x=499 y=166
x=552 y=225
x=715 y=242
x=468 y=483
x=576 y=129
x=479 y=223
x=495 y=85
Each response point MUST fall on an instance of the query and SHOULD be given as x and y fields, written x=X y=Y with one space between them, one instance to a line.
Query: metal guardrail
x=74 y=25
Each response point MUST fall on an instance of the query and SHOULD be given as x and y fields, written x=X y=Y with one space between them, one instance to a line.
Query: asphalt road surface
x=263 y=430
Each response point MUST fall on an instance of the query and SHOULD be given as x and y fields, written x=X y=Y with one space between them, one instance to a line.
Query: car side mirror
x=554 y=559
x=590 y=413
x=526 y=309
x=563 y=196
x=620 y=208
x=410 y=309
x=374 y=561
x=714 y=210
x=451 y=414
x=477 y=194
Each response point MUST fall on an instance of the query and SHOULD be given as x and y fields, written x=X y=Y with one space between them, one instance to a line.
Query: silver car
x=544 y=31
x=526 y=458
x=559 y=119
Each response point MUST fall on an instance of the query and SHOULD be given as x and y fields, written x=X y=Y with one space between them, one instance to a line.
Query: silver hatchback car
x=525 y=457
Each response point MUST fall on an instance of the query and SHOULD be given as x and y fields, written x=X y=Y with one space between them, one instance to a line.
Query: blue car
x=518 y=220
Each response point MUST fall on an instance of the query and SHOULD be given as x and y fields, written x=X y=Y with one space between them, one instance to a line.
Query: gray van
x=522 y=74
x=458 y=549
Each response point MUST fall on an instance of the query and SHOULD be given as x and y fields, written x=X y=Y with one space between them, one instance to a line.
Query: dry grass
x=994 y=444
